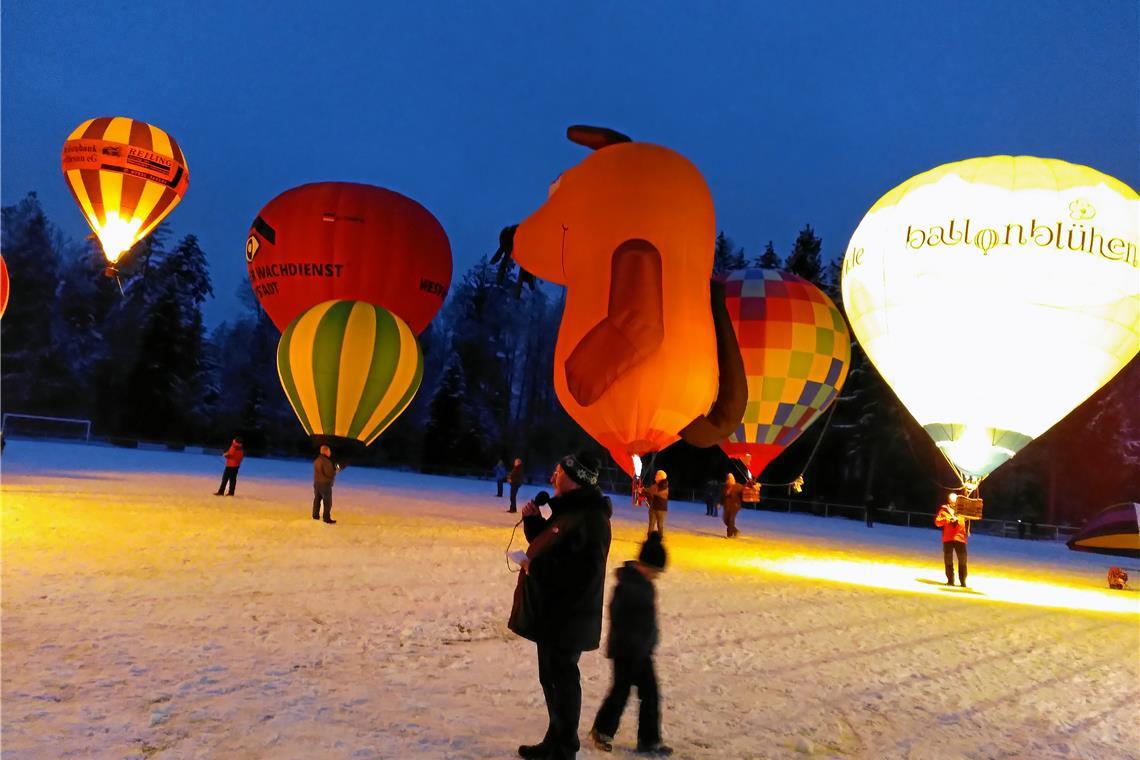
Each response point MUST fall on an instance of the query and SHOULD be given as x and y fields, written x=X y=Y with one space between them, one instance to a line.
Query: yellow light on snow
x=117 y=236
x=995 y=295
x=990 y=585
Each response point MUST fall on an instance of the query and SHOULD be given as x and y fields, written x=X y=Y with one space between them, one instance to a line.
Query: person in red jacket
x=955 y=534
x=234 y=454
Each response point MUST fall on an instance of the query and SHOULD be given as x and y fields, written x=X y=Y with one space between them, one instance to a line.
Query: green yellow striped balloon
x=349 y=369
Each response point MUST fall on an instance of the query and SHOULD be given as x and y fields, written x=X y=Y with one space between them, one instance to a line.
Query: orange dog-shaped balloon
x=630 y=232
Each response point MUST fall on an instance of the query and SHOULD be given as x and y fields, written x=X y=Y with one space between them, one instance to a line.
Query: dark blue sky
x=794 y=112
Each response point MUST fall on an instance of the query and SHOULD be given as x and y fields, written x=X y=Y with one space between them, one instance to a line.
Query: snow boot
x=534 y=751
x=657 y=749
x=601 y=741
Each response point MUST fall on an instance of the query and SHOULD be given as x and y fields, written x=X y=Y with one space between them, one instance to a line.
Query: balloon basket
x=968 y=508
x=750 y=494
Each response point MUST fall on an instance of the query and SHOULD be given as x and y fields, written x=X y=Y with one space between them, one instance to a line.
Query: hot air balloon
x=796 y=351
x=342 y=240
x=349 y=369
x=994 y=295
x=4 y=286
x=126 y=176
x=630 y=232
x=1113 y=530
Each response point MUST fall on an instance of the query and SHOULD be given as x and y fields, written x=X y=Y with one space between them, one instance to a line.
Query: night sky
x=795 y=112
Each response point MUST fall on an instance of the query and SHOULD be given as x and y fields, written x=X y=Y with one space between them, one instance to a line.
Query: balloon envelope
x=1114 y=530
x=651 y=203
x=349 y=369
x=342 y=240
x=796 y=351
x=994 y=295
x=126 y=176
x=4 y=286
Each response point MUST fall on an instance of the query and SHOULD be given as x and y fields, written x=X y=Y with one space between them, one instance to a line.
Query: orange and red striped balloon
x=126 y=175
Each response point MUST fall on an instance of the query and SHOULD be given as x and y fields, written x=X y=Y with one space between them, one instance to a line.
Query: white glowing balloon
x=995 y=295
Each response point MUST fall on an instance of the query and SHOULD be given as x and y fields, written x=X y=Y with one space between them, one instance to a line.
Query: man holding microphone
x=558 y=597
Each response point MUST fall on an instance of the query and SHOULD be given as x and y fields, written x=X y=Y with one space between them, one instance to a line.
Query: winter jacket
x=633 y=615
x=500 y=472
x=952 y=530
x=324 y=471
x=234 y=454
x=558 y=600
x=732 y=496
x=516 y=476
x=658 y=496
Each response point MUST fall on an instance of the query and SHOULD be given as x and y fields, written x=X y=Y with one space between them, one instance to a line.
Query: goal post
x=39 y=426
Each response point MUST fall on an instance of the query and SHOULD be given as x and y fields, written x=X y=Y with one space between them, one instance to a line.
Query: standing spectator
x=731 y=497
x=516 y=478
x=233 y=456
x=324 y=473
x=633 y=637
x=869 y=511
x=657 y=498
x=955 y=534
x=500 y=475
x=558 y=597
x=712 y=497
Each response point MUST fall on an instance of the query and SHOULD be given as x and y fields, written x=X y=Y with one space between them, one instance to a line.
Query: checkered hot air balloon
x=126 y=176
x=349 y=369
x=796 y=351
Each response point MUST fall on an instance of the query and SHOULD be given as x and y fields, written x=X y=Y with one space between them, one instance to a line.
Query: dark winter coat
x=658 y=496
x=324 y=471
x=633 y=615
x=558 y=600
x=516 y=476
x=234 y=454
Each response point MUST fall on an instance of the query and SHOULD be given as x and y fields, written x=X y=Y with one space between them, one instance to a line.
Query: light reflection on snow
x=883 y=574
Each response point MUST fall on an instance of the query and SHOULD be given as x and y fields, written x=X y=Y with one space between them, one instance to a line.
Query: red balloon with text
x=348 y=241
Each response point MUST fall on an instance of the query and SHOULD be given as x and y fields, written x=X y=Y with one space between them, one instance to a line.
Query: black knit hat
x=653 y=552
x=582 y=468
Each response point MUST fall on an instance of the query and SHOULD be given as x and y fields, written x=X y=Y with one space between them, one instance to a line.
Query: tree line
x=135 y=357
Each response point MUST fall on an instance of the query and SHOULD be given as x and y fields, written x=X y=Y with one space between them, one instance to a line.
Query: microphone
x=540 y=498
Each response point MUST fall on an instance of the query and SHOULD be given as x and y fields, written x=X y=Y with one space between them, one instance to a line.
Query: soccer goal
x=36 y=426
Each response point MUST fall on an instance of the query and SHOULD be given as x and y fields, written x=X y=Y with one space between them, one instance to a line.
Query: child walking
x=633 y=637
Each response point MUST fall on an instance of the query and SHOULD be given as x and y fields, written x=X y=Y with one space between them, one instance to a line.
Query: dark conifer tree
x=726 y=256
x=769 y=259
x=36 y=377
x=804 y=259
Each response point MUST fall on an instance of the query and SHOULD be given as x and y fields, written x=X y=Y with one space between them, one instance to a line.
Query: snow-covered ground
x=144 y=617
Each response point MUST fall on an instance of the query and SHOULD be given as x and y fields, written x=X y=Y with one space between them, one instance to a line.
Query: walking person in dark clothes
x=516 y=479
x=324 y=473
x=558 y=597
x=633 y=637
x=234 y=454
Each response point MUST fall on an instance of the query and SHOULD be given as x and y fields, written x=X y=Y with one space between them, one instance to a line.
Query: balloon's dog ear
x=595 y=138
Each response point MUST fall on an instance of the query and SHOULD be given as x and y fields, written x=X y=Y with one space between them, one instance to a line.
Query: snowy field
x=144 y=617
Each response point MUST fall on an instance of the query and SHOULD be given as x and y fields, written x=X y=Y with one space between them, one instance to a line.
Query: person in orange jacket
x=955 y=534
x=234 y=454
